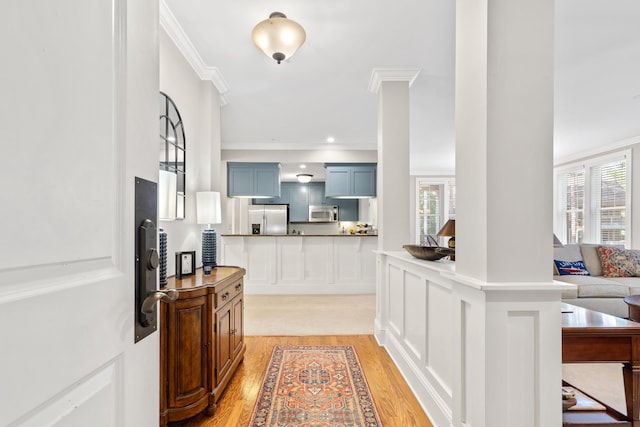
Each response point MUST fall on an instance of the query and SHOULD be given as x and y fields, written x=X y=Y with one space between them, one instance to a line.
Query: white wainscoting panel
x=474 y=353
x=396 y=300
x=347 y=259
x=303 y=264
x=415 y=315
x=522 y=367
x=261 y=260
x=316 y=260
x=440 y=334
x=291 y=255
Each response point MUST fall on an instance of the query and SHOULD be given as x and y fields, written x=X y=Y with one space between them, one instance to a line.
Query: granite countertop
x=299 y=235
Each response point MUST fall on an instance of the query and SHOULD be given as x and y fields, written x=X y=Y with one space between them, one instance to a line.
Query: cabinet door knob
x=238 y=287
x=225 y=296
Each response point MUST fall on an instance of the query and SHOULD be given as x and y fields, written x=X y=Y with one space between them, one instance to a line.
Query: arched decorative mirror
x=172 y=157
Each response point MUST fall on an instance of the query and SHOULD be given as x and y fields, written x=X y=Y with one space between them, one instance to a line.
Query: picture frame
x=185 y=264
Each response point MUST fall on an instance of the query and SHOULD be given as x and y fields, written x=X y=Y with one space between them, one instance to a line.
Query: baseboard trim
x=440 y=414
x=309 y=289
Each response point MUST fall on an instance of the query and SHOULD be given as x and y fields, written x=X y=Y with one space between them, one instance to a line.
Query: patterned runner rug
x=314 y=386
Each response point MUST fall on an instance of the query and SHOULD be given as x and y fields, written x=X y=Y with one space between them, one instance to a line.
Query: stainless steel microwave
x=323 y=213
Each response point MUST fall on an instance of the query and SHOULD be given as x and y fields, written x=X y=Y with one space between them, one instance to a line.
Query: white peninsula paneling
x=301 y=264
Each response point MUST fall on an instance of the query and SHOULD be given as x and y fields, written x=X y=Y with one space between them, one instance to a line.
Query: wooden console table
x=590 y=336
x=201 y=341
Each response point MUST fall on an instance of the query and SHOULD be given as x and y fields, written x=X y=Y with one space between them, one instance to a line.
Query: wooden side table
x=633 y=302
x=592 y=337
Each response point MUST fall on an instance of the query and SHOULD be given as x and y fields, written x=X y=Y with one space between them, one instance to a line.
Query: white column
x=393 y=187
x=392 y=87
x=506 y=309
x=504 y=139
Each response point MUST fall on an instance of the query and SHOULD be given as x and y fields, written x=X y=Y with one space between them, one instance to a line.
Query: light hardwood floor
x=395 y=403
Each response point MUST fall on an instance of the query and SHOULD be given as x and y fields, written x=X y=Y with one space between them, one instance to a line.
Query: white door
x=78 y=120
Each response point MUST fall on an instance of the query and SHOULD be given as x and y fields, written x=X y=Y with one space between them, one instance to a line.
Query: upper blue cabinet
x=258 y=180
x=350 y=180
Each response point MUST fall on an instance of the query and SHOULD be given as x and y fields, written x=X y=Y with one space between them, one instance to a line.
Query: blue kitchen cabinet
x=350 y=180
x=347 y=208
x=316 y=193
x=282 y=200
x=337 y=181
x=298 y=201
x=261 y=180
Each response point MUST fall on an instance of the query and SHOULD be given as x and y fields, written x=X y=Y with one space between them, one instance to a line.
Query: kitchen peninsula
x=303 y=263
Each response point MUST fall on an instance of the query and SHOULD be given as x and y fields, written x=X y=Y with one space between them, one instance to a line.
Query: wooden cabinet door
x=187 y=358
x=224 y=340
x=238 y=324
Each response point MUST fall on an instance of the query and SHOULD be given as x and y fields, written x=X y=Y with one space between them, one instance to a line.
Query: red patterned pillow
x=619 y=262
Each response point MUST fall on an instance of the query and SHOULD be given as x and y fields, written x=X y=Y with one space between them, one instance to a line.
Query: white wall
x=199 y=104
x=310 y=156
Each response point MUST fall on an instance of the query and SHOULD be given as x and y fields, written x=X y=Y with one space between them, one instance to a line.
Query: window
x=435 y=204
x=593 y=201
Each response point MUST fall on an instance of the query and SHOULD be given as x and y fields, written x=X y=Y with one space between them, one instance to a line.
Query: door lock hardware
x=149 y=303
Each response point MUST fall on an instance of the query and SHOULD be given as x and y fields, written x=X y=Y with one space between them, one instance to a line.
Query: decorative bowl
x=428 y=253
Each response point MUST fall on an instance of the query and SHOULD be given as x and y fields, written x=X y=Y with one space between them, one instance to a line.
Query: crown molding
x=301 y=147
x=176 y=33
x=617 y=145
x=444 y=174
x=379 y=75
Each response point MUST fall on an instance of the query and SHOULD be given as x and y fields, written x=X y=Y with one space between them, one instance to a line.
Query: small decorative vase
x=209 y=248
x=162 y=236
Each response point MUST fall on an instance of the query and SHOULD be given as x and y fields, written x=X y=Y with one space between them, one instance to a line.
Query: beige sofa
x=595 y=292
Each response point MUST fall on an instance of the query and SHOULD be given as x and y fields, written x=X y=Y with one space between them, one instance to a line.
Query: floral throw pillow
x=619 y=262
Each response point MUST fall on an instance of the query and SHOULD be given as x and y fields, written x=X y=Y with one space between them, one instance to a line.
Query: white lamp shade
x=167 y=196
x=208 y=207
x=278 y=34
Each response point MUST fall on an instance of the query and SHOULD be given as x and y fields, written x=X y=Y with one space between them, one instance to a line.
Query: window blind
x=574 y=207
x=609 y=184
x=429 y=210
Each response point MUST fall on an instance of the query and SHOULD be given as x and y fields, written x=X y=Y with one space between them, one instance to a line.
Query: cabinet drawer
x=228 y=292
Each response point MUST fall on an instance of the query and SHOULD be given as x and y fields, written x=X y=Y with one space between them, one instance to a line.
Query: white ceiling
x=323 y=90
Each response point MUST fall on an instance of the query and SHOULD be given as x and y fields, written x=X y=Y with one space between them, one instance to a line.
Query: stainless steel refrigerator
x=268 y=219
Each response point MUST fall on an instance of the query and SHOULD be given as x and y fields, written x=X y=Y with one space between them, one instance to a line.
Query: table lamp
x=208 y=212
x=449 y=229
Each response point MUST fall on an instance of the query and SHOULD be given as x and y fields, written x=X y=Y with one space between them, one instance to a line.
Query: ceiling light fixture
x=331 y=139
x=304 y=177
x=278 y=36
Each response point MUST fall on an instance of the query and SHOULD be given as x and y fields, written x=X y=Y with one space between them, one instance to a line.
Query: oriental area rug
x=314 y=386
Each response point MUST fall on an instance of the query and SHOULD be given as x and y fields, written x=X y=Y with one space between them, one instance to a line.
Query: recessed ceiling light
x=303 y=166
x=331 y=139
